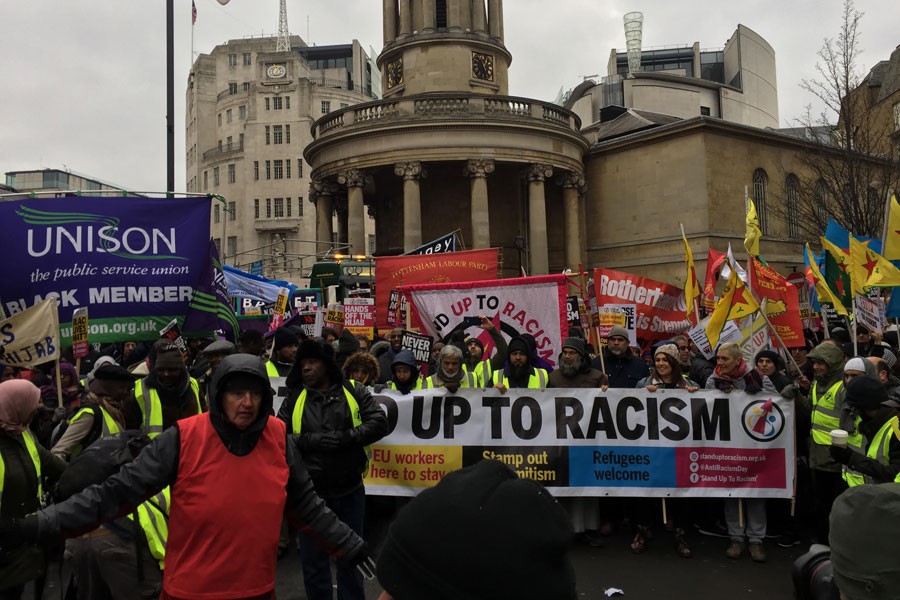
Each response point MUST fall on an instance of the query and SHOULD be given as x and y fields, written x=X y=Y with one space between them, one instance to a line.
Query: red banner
x=393 y=271
x=713 y=262
x=660 y=306
x=782 y=303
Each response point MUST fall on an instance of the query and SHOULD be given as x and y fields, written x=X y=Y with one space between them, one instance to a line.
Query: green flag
x=837 y=271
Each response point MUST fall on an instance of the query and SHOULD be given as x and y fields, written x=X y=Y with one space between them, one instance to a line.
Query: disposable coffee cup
x=839 y=437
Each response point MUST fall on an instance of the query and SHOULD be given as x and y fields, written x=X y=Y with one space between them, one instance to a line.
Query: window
x=267 y=103
x=216 y=214
x=231 y=173
x=228 y=116
x=268 y=136
x=242 y=112
x=344 y=105
x=232 y=89
x=232 y=60
x=279 y=169
x=268 y=169
x=299 y=168
x=287 y=134
x=245 y=86
x=287 y=103
x=287 y=206
x=326 y=107
x=277 y=103
x=300 y=206
x=279 y=208
x=220 y=145
x=232 y=211
x=241 y=141
x=255 y=170
x=256 y=208
x=287 y=168
x=704 y=111
x=268 y=208
x=229 y=141
x=277 y=134
x=821 y=199
x=760 y=197
x=215 y=176
x=232 y=245
x=219 y=119
x=205 y=180
x=440 y=12
x=248 y=59
x=792 y=192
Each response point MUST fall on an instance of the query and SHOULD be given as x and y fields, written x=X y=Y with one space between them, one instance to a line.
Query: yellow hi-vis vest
x=536 y=381
x=297 y=415
x=108 y=424
x=271 y=369
x=31 y=447
x=151 y=407
x=879 y=450
x=417 y=386
x=825 y=416
x=153 y=517
x=855 y=444
x=469 y=380
x=484 y=372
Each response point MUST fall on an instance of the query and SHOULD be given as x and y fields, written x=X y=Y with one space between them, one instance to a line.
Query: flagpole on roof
x=887 y=214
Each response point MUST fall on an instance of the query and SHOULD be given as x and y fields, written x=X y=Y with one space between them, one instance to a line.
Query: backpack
x=102 y=459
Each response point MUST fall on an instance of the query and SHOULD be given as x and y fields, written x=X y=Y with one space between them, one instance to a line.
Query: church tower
x=444 y=46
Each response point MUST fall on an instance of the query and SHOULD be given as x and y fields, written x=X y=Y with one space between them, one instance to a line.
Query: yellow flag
x=751 y=238
x=892 y=239
x=825 y=293
x=736 y=303
x=691 y=287
x=870 y=269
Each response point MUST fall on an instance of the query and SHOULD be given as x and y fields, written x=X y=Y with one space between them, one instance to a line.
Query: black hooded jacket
x=157 y=467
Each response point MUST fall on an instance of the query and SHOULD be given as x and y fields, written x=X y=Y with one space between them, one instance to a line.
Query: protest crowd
x=150 y=468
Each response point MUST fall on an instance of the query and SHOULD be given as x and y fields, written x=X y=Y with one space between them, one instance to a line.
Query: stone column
x=478 y=170
x=390 y=20
x=405 y=18
x=323 y=191
x=573 y=186
x=429 y=17
x=495 y=18
x=354 y=179
x=340 y=211
x=479 y=18
x=411 y=172
x=538 y=251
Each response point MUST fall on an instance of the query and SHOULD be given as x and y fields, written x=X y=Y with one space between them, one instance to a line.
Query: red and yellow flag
x=691 y=287
x=736 y=303
x=870 y=269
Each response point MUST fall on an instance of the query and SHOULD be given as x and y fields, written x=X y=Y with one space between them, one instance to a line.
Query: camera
x=812 y=575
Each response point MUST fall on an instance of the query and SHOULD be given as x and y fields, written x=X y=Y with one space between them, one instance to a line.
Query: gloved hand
x=841 y=454
x=17 y=532
x=334 y=440
x=362 y=559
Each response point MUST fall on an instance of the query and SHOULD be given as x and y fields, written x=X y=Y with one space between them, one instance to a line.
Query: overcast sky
x=84 y=81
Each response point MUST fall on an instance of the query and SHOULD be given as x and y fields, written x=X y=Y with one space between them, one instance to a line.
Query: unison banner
x=660 y=306
x=579 y=442
x=133 y=261
x=533 y=305
x=393 y=271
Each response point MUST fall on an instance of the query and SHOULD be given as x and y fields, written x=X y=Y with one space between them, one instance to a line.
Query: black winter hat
x=866 y=393
x=519 y=344
x=476 y=341
x=576 y=344
x=771 y=355
x=284 y=337
x=315 y=349
x=491 y=536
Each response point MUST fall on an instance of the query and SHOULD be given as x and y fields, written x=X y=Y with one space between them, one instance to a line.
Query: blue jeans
x=317 y=564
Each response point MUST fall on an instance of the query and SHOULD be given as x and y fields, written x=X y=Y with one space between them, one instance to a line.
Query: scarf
x=445 y=379
x=19 y=399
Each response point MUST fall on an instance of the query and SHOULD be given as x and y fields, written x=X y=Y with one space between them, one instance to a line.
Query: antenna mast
x=284 y=38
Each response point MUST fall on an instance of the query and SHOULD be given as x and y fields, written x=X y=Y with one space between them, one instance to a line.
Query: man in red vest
x=233 y=474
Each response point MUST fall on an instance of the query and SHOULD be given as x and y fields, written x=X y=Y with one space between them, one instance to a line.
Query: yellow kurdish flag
x=825 y=293
x=870 y=269
x=751 y=238
x=891 y=250
x=691 y=287
x=736 y=303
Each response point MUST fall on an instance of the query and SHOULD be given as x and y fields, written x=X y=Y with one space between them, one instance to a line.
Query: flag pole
x=887 y=214
x=696 y=302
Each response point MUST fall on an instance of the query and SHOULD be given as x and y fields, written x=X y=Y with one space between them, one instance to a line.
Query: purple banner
x=133 y=261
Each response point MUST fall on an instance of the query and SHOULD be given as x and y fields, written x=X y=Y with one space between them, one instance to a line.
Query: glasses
x=684 y=347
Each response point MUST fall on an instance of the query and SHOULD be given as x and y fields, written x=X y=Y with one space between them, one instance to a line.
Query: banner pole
x=665 y=513
x=59 y=395
x=740 y=512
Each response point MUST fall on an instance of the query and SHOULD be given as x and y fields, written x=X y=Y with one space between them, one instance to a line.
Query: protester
x=252 y=342
x=733 y=374
x=800 y=356
x=284 y=349
x=362 y=368
x=878 y=460
x=770 y=364
x=395 y=339
x=520 y=371
x=363 y=342
x=449 y=372
x=489 y=536
x=623 y=368
x=23 y=464
x=484 y=366
x=693 y=365
x=330 y=335
x=212 y=356
x=165 y=395
x=405 y=373
x=890 y=381
x=333 y=421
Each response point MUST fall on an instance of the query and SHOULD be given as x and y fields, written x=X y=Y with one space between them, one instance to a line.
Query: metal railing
x=222 y=150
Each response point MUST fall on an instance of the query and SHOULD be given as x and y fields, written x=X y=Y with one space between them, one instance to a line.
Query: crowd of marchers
x=217 y=479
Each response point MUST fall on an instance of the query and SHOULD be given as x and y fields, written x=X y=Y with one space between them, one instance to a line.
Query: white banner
x=534 y=305
x=869 y=312
x=31 y=337
x=580 y=442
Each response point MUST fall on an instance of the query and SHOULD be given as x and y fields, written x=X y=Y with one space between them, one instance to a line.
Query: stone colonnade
x=323 y=193
x=403 y=17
